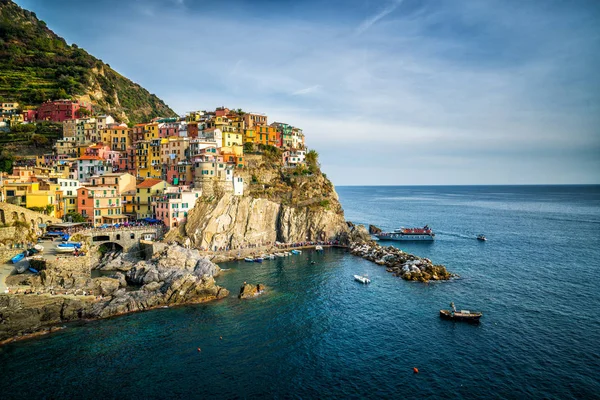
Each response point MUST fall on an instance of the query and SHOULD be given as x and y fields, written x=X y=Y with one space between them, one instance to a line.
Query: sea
x=317 y=333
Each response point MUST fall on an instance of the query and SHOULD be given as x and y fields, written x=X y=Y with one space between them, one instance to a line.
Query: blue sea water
x=319 y=334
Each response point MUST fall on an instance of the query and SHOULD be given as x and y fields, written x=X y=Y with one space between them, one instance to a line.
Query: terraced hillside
x=37 y=65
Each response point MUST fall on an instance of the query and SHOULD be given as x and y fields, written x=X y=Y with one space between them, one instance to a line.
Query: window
x=132 y=236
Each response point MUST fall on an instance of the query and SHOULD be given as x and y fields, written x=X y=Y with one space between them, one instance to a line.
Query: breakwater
x=404 y=265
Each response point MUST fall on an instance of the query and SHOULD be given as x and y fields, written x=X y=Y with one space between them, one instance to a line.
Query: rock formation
x=248 y=291
x=234 y=221
x=173 y=276
x=407 y=266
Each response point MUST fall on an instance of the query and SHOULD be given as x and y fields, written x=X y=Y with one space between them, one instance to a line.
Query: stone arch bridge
x=125 y=238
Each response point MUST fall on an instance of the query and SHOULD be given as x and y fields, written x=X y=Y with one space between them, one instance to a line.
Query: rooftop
x=149 y=182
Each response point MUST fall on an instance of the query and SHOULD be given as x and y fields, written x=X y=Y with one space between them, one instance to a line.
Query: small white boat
x=319 y=248
x=280 y=255
x=39 y=248
x=271 y=256
x=62 y=249
x=362 y=279
x=249 y=259
x=287 y=254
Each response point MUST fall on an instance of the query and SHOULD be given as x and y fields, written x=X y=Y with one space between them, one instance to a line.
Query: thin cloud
x=372 y=20
x=307 y=90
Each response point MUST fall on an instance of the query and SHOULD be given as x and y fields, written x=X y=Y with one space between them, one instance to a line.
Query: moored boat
x=17 y=258
x=462 y=315
x=362 y=279
x=319 y=248
x=39 y=248
x=258 y=259
x=408 y=234
x=22 y=266
x=281 y=255
x=296 y=251
x=249 y=259
x=65 y=249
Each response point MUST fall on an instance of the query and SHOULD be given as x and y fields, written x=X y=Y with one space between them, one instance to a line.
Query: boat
x=271 y=256
x=462 y=315
x=287 y=253
x=39 y=248
x=65 y=249
x=408 y=234
x=258 y=259
x=22 y=266
x=35 y=271
x=17 y=258
x=319 y=248
x=281 y=255
x=70 y=245
x=481 y=238
x=249 y=259
x=296 y=251
x=362 y=279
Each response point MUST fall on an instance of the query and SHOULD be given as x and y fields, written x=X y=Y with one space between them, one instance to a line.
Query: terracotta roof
x=149 y=182
x=90 y=158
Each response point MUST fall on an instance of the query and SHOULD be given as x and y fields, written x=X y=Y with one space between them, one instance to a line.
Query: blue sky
x=388 y=92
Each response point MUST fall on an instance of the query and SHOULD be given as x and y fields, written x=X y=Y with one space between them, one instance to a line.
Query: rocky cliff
x=279 y=204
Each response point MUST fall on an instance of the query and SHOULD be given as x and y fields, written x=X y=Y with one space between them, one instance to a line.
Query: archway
x=100 y=238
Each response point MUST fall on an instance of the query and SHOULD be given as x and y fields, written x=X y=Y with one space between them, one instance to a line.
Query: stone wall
x=10 y=213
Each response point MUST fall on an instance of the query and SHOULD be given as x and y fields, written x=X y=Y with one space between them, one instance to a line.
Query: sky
x=388 y=92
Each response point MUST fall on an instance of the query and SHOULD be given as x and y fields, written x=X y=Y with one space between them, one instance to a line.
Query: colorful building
x=100 y=205
x=61 y=110
x=172 y=207
x=145 y=191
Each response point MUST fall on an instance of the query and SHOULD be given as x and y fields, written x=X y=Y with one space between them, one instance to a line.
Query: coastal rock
x=106 y=286
x=373 y=230
x=248 y=291
x=236 y=221
x=174 y=276
x=407 y=266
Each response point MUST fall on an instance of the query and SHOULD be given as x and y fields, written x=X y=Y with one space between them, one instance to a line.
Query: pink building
x=61 y=110
x=167 y=130
x=173 y=206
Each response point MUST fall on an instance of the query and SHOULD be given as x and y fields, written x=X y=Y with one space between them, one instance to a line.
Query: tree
x=74 y=217
x=6 y=161
x=39 y=140
x=248 y=147
x=312 y=160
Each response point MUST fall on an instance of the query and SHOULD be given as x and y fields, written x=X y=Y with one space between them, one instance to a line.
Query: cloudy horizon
x=388 y=92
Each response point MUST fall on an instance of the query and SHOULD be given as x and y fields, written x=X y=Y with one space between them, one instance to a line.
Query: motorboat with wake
x=481 y=238
x=362 y=279
x=408 y=234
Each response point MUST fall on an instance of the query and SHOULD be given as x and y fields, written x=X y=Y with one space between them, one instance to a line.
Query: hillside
x=38 y=65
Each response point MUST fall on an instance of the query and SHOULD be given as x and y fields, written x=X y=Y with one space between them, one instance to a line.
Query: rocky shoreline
x=404 y=265
x=173 y=276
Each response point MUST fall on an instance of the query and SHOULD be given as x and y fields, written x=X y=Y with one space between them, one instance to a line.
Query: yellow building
x=249 y=136
x=117 y=138
x=48 y=198
x=232 y=138
x=143 y=197
x=142 y=165
x=16 y=192
x=154 y=159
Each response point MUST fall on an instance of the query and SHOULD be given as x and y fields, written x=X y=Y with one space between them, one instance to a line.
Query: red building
x=61 y=110
x=29 y=115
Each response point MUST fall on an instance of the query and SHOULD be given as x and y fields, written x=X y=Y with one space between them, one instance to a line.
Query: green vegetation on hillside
x=37 y=65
